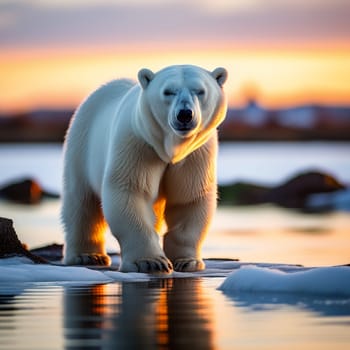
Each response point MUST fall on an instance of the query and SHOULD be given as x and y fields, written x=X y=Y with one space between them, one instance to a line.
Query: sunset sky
x=54 y=52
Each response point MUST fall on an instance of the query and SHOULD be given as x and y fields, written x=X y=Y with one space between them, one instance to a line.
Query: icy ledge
x=21 y=269
x=321 y=281
x=239 y=277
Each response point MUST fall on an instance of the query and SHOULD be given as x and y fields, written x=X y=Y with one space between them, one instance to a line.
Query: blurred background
x=288 y=61
x=284 y=144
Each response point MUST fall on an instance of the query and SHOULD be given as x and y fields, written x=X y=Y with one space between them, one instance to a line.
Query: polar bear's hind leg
x=85 y=230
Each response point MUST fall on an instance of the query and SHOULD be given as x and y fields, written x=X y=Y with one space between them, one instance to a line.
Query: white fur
x=128 y=165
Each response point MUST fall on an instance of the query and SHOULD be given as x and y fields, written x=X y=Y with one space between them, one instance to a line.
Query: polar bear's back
x=87 y=137
x=103 y=99
x=102 y=102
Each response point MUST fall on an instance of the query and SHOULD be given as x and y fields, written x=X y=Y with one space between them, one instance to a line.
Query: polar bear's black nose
x=185 y=115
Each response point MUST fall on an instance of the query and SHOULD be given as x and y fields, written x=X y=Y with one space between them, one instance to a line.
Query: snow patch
x=23 y=270
x=320 y=281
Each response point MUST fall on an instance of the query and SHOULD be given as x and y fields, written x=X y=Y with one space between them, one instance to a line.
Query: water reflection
x=170 y=313
x=317 y=305
x=167 y=314
x=29 y=317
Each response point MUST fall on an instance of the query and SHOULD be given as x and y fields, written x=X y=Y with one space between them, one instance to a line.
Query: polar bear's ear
x=220 y=75
x=145 y=76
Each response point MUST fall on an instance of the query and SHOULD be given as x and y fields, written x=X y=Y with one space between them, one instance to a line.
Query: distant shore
x=250 y=123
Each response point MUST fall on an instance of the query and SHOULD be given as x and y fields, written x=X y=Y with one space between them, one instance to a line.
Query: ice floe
x=320 y=280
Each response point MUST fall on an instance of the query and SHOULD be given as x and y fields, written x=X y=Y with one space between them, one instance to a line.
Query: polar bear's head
x=186 y=102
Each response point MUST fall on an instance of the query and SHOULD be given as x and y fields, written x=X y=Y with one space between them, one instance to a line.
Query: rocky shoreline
x=311 y=191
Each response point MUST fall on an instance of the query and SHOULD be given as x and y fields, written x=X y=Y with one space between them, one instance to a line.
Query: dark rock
x=52 y=252
x=293 y=193
x=26 y=191
x=11 y=246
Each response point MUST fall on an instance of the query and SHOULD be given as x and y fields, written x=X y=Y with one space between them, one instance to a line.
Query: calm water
x=266 y=162
x=187 y=313
x=167 y=314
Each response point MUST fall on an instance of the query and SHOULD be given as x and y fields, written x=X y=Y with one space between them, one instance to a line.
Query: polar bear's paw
x=89 y=259
x=188 y=265
x=158 y=264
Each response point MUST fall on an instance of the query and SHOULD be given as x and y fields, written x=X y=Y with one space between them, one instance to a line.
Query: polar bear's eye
x=199 y=93
x=168 y=92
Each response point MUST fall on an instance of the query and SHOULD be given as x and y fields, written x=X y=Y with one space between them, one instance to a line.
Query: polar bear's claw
x=92 y=259
x=154 y=265
x=188 y=265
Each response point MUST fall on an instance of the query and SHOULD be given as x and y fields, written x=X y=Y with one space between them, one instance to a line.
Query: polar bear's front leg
x=188 y=225
x=131 y=219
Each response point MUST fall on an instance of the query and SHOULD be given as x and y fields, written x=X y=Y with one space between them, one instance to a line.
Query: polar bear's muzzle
x=184 y=122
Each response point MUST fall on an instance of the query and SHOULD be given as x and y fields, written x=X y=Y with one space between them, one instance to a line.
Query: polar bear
x=140 y=155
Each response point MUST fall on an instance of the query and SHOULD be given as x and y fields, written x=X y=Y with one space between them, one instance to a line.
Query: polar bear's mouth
x=183 y=129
